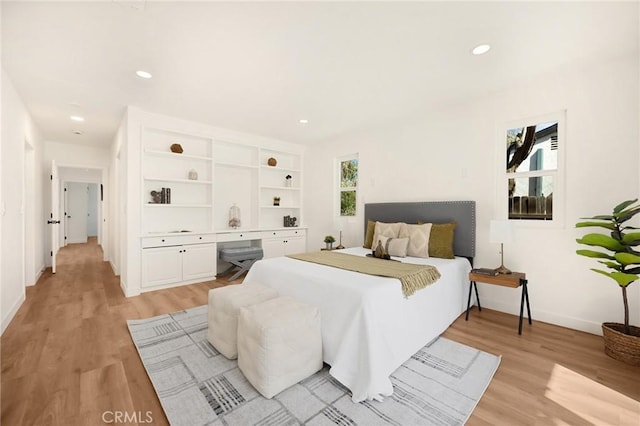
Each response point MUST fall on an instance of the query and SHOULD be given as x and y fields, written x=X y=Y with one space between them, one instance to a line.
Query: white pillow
x=419 y=240
x=389 y=230
x=395 y=246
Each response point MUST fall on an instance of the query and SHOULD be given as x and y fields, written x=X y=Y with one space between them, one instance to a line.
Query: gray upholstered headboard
x=461 y=212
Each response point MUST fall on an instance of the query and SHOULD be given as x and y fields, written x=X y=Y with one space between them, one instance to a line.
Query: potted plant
x=329 y=240
x=621 y=256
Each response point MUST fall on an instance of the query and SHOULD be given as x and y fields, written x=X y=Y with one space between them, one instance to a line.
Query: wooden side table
x=513 y=280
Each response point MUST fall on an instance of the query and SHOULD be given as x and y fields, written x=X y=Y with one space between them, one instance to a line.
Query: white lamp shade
x=500 y=231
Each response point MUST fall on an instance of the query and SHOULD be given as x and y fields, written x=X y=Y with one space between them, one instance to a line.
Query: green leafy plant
x=329 y=239
x=620 y=243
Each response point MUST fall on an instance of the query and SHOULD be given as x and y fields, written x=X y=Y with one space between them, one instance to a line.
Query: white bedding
x=368 y=327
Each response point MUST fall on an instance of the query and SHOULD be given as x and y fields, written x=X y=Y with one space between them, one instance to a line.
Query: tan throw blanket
x=412 y=277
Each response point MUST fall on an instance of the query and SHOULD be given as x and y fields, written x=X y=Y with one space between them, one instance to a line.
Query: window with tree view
x=532 y=170
x=348 y=185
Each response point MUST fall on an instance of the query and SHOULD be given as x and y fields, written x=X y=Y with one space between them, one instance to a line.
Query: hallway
x=67 y=356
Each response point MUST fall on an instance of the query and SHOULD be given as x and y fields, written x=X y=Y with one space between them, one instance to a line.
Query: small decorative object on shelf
x=289 y=222
x=276 y=201
x=155 y=197
x=272 y=161
x=329 y=240
x=177 y=148
x=234 y=216
x=287 y=180
x=193 y=175
x=161 y=197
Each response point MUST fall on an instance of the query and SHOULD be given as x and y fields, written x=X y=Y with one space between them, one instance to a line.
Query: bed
x=368 y=327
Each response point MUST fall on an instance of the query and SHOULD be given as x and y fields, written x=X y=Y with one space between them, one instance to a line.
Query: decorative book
x=485 y=271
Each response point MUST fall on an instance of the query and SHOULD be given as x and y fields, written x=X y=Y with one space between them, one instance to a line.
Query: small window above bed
x=347 y=168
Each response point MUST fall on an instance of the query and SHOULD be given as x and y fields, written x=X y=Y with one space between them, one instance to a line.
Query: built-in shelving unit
x=274 y=183
x=192 y=199
x=179 y=240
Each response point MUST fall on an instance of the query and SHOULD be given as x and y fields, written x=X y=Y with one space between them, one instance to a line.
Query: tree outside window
x=533 y=169
x=348 y=168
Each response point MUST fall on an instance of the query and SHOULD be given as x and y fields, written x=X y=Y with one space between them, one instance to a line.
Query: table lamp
x=500 y=231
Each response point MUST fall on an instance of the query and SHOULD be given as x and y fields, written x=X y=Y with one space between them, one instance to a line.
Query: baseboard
x=12 y=313
x=546 y=316
x=113 y=268
x=126 y=291
x=38 y=275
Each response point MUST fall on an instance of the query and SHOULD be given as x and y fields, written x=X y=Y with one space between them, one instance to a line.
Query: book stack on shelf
x=485 y=271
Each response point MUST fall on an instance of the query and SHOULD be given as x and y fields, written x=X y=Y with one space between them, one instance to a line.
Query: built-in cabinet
x=186 y=197
x=282 y=243
x=178 y=264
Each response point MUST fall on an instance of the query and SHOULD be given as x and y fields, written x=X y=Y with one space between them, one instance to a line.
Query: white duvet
x=368 y=327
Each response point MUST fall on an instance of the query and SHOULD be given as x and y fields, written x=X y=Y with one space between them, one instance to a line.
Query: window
x=532 y=169
x=348 y=184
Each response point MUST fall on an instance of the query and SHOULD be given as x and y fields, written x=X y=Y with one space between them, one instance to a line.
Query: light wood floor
x=67 y=357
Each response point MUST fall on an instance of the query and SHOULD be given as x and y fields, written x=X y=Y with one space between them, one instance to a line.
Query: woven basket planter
x=623 y=347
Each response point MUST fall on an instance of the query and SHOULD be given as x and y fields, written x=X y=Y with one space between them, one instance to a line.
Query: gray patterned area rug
x=440 y=385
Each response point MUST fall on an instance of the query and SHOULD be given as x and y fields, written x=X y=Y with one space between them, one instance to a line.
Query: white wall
x=17 y=129
x=449 y=153
x=77 y=163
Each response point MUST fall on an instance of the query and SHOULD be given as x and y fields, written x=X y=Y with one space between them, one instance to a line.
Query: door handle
x=53 y=222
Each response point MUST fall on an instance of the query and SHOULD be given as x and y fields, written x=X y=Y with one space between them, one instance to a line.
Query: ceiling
x=260 y=67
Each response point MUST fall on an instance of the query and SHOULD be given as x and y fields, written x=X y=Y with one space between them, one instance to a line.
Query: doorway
x=81 y=212
x=82 y=206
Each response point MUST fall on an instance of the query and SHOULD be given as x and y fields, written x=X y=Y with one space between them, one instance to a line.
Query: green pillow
x=368 y=239
x=441 y=240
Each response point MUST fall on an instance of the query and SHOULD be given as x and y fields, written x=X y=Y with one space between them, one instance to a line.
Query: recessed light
x=76 y=118
x=481 y=49
x=303 y=121
x=143 y=74
x=77 y=132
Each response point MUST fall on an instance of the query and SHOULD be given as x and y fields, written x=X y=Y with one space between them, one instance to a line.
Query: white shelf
x=175 y=155
x=282 y=169
x=188 y=181
x=160 y=205
x=280 y=207
x=289 y=188
x=246 y=166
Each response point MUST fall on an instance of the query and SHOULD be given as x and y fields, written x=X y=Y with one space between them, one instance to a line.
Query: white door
x=54 y=216
x=76 y=220
x=198 y=261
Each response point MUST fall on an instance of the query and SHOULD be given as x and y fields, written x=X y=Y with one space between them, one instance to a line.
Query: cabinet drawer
x=285 y=233
x=177 y=240
x=238 y=236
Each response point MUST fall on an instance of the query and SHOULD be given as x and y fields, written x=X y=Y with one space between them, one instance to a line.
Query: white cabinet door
x=198 y=261
x=294 y=245
x=162 y=265
x=272 y=247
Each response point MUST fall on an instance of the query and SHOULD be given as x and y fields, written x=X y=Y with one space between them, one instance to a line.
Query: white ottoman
x=222 y=314
x=279 y=344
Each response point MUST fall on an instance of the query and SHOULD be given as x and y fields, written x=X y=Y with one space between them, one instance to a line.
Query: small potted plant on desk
x=622 y=258
x=329 y=240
